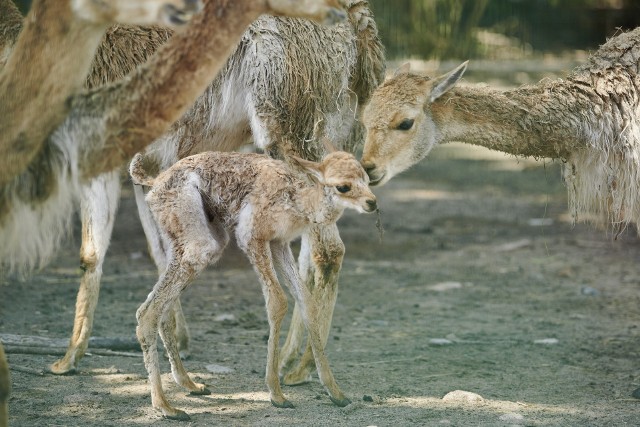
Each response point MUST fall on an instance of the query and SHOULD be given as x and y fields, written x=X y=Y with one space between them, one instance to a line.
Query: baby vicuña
x=265 y=203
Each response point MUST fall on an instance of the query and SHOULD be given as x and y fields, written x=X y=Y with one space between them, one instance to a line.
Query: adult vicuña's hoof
x=61 y=368
x=285 y=404
x=340 y=402
x=178 y=416
x=204 y=392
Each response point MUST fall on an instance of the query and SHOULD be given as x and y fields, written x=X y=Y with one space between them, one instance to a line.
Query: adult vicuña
x=288 y=83
x=202 y=198
x=42 y=174
x=589 y=120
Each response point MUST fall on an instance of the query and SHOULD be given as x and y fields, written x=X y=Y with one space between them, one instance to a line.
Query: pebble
x=224 y=316
x=512 y=418
x=589 y=291
x=445 y=286
x=440 y=341
x=540 y=222
x=367 y=398
x=219 y=369
x=547 y=341
x=461 y=396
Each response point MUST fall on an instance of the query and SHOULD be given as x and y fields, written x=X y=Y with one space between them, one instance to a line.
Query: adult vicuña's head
x=400 y=127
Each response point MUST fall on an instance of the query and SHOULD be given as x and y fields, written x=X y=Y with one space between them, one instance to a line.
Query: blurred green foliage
x=23 y=5
x=449 y=28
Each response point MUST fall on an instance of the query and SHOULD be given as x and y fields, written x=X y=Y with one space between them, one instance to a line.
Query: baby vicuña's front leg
x=311 y=313
x=321 y=256
x=259 y=253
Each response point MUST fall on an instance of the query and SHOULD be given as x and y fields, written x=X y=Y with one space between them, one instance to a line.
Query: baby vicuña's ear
x=312 y=168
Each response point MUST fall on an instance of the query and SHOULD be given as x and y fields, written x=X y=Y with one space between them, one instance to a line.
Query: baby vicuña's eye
x=406 y=124
x=343 y=188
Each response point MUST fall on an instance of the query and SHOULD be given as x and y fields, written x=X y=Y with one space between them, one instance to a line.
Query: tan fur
x=588 y=119
x=202 y=198
x=50 y=145
x=50 y=62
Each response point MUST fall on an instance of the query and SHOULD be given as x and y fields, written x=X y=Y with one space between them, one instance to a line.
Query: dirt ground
x=480 y=284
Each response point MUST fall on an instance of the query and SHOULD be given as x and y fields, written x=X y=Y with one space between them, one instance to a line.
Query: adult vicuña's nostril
x=369 y=167
x=372 y=204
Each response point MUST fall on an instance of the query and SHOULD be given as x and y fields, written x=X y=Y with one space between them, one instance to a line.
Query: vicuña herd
x=79 y=98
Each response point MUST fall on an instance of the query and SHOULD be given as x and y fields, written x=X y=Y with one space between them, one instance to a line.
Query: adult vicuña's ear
x=312 y=168
x=404 y=69
x=442 y=84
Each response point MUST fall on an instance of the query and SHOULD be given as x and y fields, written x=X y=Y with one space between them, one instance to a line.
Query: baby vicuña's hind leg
x=321 y=255
x=259 y=253
x=212 y=249
x=149 y=316
x=193 y=246
x=311 y=315
x=158 y=252
x=99 y=203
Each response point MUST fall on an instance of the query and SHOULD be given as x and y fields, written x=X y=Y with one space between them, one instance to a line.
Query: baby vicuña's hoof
x=285 y=404
x=340 y=402
x=178 y=416
x=204 y=392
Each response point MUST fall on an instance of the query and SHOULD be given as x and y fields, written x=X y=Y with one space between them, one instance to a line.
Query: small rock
x=540 y=222
x=512 y=418
x=224 y=316
x=445 y=286
x=219 y=369
x=512 y=246
x=461 y=396
x=440 y=341
x=547 y=341
x=589 y=291
x=636 y=393
x=367 y=398
x=377 y=322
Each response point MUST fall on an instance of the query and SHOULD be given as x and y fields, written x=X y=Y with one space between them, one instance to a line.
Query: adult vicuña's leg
x=99 y=203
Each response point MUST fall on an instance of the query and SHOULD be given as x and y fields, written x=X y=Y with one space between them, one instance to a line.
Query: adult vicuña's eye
x=343 y=188
x=406 y=124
